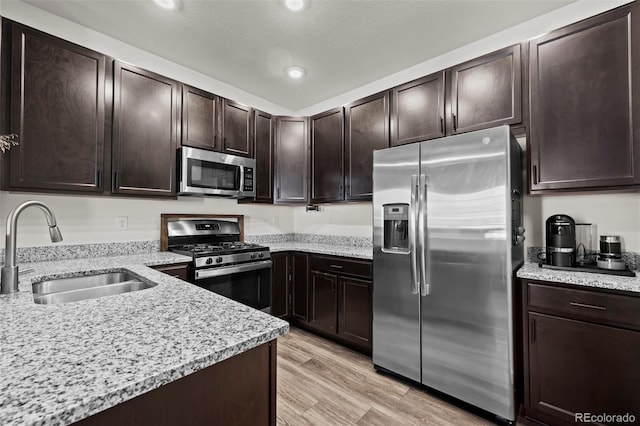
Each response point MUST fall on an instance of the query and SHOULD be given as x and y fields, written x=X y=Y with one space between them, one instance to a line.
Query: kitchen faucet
x=9 y=272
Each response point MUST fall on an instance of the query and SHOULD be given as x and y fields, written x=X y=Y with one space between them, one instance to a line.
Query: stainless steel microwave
x=203 y=172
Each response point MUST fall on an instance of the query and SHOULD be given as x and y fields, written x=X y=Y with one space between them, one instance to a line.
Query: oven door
x=206 y=172
x=248 y=283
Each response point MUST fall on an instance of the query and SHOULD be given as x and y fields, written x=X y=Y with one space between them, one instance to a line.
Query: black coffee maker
x=561 y=240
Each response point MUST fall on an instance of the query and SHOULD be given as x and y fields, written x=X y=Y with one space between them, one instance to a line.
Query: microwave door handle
x=413 y=251
x=241 y=188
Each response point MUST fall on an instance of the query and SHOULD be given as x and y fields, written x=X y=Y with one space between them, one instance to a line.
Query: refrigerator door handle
x=413 y=219
x=422 y=236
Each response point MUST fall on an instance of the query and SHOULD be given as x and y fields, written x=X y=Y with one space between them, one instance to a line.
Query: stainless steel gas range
x=221 y=262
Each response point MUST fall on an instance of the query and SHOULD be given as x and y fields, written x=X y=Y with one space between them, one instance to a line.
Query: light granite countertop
x=318 y=248
x=531 y=270
x=62 y=363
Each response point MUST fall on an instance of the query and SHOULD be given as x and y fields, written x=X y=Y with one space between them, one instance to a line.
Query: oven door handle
x=227 y=270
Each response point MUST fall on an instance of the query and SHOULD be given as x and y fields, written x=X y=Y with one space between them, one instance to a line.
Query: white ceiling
x=343 y=44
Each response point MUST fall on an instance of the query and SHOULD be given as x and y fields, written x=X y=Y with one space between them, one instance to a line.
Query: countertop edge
x=531 y=271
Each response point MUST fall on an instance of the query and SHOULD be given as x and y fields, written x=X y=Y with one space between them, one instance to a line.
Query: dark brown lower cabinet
x=323 y=301
x=280 y=284
x=329 y=295
x=340 y=300
x=177 y=270
x=299 y=286
x=238 y=391
x=355 y=312
x=581 y=354
x=289 y=285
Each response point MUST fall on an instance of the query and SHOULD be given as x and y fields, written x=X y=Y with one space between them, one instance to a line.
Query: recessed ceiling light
x=295 y=72
x=166 y=4
x=294 y=5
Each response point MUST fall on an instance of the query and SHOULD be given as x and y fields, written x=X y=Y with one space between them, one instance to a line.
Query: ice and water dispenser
x=396 y=228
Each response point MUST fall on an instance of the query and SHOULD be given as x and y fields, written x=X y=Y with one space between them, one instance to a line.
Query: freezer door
x=466 y=313
x=396 y=304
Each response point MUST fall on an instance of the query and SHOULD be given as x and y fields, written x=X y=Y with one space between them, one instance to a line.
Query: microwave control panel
x=248 y=179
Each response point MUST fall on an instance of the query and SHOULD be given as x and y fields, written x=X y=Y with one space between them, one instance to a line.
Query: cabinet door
x=280 y=284
x=199 y=113
x=355 y=312
x=417 y=110
x=299 y=286
x=263 y=148
x=579 y=367
x=236 y=129
x=145 y=118
x=323 y=301
x=58 y=112
x=366 y=129
x=327 y=156
x=292 y=153
x=487 y=91
x=585 y=101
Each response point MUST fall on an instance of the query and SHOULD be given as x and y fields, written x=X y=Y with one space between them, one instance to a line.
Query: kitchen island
x=63 y=363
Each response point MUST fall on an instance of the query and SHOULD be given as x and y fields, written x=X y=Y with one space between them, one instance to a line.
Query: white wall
x=335 y=219
x=612 y=214
x=84 y=219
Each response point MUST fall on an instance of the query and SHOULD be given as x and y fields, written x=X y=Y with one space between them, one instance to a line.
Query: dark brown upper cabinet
x=585 y=101
x=58 y=112
x=145 y=121
x=417 y=110
x=366 y=130
x=236 y=129
x=327 y=156
x=263 y=130
x=291 y=160
x=199 y=118
x=486 y=91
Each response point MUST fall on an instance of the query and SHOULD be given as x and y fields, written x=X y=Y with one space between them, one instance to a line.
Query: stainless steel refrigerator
x=447 y=238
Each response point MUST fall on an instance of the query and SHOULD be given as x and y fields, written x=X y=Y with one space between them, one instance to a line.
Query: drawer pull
x=584 y=305
x=337 y=266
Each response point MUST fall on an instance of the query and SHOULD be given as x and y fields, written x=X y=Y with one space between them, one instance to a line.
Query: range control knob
x=261 y=255
x=253 y=255
x=219 y=259
x=209 y=261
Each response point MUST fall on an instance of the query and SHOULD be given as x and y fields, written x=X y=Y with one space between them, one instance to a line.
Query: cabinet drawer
x=361 y=268
x=587 y=304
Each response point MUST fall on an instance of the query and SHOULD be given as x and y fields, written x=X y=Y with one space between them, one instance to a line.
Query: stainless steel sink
x=63 y=290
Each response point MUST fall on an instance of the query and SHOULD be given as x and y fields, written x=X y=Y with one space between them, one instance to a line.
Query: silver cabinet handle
x=584 y=305
x=337 y=266
x=422 y=237
x=415 y=280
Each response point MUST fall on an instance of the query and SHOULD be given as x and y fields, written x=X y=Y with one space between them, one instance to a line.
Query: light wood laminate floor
x=323 y=383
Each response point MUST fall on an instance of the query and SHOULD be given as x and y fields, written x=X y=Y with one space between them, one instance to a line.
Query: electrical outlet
x=122 y=223
x=276 y=221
